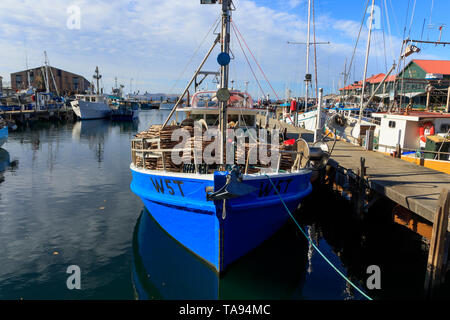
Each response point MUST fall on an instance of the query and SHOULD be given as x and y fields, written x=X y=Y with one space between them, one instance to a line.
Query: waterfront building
x=66 y=82
x=422 y=83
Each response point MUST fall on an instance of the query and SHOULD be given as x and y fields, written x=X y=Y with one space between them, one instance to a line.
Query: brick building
x=67 y=82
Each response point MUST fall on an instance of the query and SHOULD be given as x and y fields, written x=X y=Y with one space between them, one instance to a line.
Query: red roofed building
x=434 y=66
x=410 y=84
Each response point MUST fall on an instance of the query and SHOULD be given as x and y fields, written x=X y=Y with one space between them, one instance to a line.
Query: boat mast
x=97 y=76
x=308 y=44
x=224 y=71
x=47 y=84
x=361 y=107
x=28 y=71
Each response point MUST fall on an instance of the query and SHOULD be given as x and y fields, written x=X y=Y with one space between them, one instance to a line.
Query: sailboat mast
x=366 y=63
x=307 y=76
x=224 y=72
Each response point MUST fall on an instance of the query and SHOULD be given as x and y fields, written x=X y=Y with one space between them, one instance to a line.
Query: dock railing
x=416 y=150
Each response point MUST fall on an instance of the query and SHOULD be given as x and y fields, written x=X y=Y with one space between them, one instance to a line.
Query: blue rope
x=315 y=247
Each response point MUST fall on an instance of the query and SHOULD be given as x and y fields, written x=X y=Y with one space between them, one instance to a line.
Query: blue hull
x=3 y=135
x=178 y=204
x=162 y=269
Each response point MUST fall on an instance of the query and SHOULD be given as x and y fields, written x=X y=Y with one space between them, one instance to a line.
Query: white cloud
x=152 y=40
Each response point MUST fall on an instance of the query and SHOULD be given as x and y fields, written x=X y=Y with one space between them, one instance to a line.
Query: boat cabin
x=409 y=130
x=204 y=105
x=90 y=98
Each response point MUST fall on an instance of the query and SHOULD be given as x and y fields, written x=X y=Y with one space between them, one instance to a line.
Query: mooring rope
x=314 y=245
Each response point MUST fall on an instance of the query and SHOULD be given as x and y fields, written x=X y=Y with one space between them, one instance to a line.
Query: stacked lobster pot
x=192 y=152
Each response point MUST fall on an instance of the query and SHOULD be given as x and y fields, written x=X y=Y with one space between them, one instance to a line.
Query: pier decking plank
x=414 y=187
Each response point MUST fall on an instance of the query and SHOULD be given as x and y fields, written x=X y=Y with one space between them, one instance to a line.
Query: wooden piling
x=437 y=265
x=398 y=151
x=360 y=194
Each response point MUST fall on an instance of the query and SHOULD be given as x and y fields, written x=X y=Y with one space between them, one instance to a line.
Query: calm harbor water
x=65 y=200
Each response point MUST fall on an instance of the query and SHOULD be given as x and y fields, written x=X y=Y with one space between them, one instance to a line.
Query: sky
x=155 y=46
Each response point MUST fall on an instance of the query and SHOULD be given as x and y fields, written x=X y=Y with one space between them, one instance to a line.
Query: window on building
x=58 y=73
x=75 y=83
x=18 y=81
x=445 y=127
x=391 y=124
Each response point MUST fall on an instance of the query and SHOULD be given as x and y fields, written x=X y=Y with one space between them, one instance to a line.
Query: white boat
x=166 y=106
x=423 y=137
x=90 y=106
x=307 y=120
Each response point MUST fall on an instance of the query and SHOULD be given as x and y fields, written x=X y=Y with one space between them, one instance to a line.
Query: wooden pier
x=369 y=176
x=24 y=116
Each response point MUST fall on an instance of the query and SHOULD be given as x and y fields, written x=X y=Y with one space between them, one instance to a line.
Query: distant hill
x=155 y=96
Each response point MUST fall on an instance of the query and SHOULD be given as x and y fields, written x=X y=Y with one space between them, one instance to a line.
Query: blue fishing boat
x=125 y=111
x=223 y=210
x=3 y=132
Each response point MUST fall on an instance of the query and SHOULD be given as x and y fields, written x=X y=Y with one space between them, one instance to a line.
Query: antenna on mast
x=97 y=76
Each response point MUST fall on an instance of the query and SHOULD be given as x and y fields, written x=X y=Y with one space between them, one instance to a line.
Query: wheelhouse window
x=248 y=120
x=391 y=124
x=196 y=117
x=445 y=127
x=212 y=119
x=233 y=117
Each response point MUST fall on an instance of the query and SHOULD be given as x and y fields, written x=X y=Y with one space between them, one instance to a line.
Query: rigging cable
x=214 y=25
x=314 y=245
x=356 y=44
x=248 y=62
x=404 y=60
x=391 y=47
x=236 y=29
x=412 y=18
x=384 y=44
x=315 y=53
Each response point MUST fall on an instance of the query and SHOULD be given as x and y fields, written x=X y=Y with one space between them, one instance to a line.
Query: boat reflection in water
x=4 y=163
x=164 y=269
x=94 y=132
x=126 y=126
